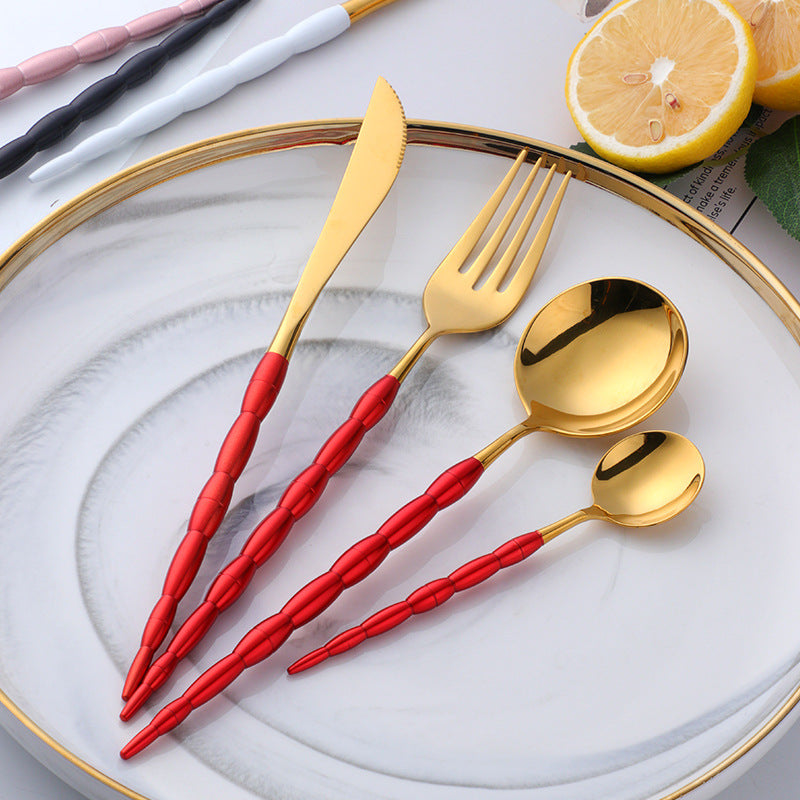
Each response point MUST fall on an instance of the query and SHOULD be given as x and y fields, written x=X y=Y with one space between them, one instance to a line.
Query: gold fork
x=455 y=300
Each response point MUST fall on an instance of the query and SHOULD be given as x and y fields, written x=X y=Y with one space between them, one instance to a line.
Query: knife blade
x=373 y=166
x=370 y=173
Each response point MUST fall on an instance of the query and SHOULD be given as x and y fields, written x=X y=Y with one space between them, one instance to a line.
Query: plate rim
x=285 y=136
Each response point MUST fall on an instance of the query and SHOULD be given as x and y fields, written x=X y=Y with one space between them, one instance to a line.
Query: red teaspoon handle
x=351 y=567
x=210 y=508
x=299 y=497
x=426 y=598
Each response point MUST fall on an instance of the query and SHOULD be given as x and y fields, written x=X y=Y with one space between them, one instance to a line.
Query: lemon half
x=776 y=29
x=656 y=85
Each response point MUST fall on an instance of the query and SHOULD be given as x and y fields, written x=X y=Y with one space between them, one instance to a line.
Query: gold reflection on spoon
x=645 y=479
x=599 y=358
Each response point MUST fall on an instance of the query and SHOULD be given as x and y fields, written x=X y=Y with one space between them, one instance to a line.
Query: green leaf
x=584 y=148
x=753 y=115
x=772 y=170
x=665 y=179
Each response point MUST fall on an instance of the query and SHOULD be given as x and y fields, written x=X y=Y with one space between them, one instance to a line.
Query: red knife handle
x=209 y=509
x=425 y=598
x=299 y=497
x=351 y=567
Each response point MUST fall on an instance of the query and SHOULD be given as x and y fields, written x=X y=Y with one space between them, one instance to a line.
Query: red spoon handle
x=299 y=497
x=351 y=567
x=425 y=598
x=209 y=509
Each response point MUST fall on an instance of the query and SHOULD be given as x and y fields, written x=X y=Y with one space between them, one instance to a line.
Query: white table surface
x=497 y=64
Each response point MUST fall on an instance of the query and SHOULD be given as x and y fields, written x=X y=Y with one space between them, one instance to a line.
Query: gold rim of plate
x=590 y=170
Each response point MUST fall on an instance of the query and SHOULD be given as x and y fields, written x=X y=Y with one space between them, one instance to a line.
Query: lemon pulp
x=659 y=84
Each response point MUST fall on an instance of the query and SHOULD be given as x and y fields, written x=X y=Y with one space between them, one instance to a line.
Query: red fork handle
x=426 y=598
x=351 y=567
x=209 y=509
x=299 y=497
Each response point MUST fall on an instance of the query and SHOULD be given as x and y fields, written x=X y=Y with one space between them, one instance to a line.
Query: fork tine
x=466 y=244
x=500 y=271
x=483 y=258
x=524 y=274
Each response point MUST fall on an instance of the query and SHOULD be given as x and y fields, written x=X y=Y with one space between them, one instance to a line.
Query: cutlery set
x=596 y=360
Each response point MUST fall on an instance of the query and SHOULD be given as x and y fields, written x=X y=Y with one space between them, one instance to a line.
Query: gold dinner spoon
x=645 y=479
x=597 y=359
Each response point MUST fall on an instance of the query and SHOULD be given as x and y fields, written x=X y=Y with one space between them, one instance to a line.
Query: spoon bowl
x=600 y=357
x=647 y=478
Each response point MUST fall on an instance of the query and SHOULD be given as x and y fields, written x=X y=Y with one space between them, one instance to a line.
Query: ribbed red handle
x=299 y=497
x=351 y=567
x=425 y=598
x=210 y=509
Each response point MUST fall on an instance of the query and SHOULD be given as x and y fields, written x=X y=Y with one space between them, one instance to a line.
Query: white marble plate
x=613 y=664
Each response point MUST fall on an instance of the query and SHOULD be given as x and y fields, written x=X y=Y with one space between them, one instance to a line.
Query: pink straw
x=95 y=46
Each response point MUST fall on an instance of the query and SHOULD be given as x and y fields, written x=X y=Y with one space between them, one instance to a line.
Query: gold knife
x=370 y=173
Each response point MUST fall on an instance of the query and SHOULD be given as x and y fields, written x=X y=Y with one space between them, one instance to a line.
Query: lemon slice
x=656 y=85
x=776 y=30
